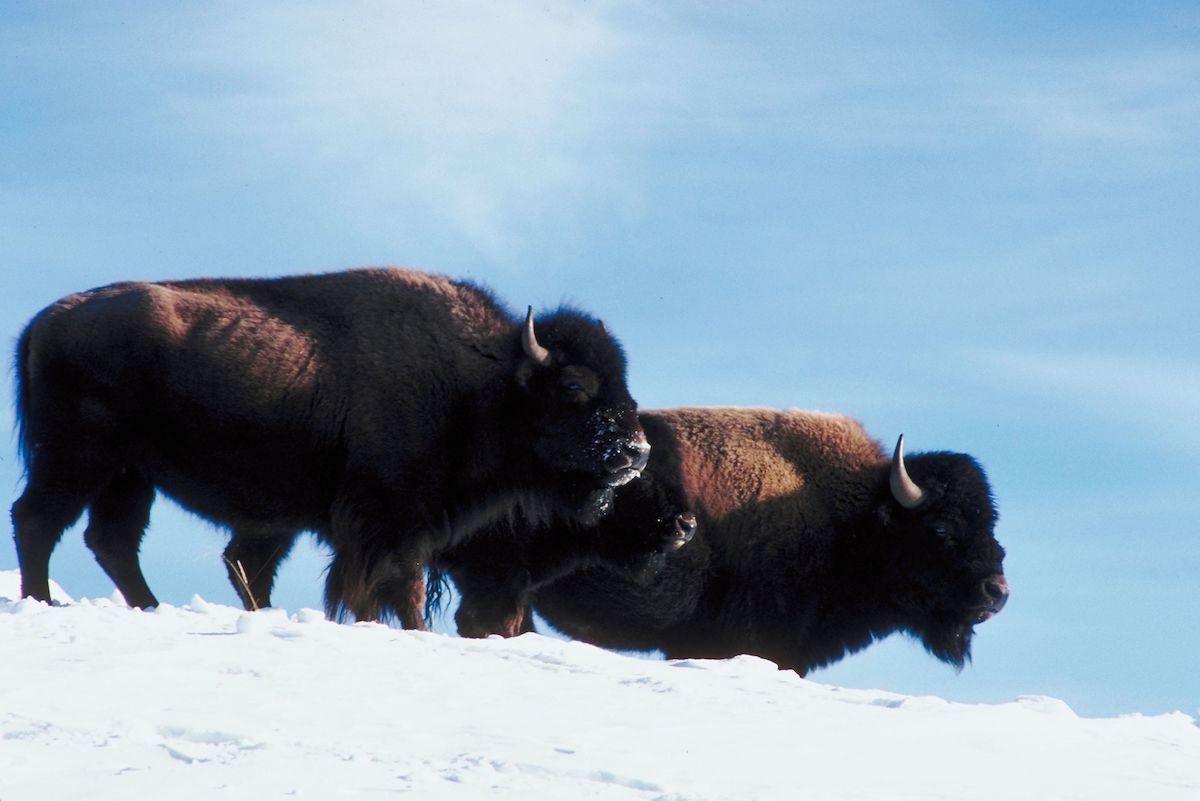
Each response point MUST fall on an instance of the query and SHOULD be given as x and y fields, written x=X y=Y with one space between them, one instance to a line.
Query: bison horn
x=904 y=489
x=529 y=342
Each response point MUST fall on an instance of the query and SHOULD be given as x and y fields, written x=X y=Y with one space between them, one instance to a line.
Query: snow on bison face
x=580 y=412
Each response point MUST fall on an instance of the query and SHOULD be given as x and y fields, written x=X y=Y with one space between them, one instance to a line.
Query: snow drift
x=99 y=701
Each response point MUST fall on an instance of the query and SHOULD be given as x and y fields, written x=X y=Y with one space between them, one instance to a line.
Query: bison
x=391 y=412
x=811 y=544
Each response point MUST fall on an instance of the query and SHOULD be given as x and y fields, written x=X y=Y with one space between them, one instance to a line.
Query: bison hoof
x=685 y=529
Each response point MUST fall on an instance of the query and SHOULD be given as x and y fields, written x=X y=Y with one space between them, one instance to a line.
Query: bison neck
x=861 y=599
x=496 y=477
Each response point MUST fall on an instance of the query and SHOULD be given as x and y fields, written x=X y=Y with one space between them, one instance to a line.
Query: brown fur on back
x=266 y=341
x=732 y=457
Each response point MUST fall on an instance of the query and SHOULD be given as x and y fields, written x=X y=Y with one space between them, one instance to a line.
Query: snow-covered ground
x=98 y=701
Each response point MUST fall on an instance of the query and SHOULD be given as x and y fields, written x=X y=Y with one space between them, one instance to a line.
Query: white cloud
x=1145 y=396
x=1138 y=107
x=1142 y=102
x=512 y=120
x=484 y=113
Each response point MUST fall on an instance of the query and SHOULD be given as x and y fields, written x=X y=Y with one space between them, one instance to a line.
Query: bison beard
x=810 y=545
x=391 y=412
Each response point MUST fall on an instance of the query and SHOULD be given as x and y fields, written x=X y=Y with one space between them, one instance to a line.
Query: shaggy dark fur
x=392 y=412
x=802 y=554
x=499 y=569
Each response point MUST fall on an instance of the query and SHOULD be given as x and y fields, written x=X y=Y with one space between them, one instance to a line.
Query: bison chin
x=610 y=456
x=622 y=476
x=595 y=506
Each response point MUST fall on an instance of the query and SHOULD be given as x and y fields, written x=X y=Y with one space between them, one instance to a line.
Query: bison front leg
x=492 y=604
x=398 y=590
x=377 y=570
x=376 y=588
x=506 y=620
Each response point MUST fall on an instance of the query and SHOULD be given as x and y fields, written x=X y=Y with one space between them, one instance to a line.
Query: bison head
x=581 y=417
x=945 y=562
x=650 y=520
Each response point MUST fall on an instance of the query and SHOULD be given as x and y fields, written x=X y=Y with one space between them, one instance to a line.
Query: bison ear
x=525 y=371
x=529 y=343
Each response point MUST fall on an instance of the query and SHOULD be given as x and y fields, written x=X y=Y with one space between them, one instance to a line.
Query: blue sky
x=974 y=223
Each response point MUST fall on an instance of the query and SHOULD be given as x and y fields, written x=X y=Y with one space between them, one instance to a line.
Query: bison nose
x=638 y=450
x=632 y=454
x=995 y=589
x=617 y=460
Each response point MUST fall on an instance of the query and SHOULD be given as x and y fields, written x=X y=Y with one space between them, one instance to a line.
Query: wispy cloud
x=1136 y=106
x=488 y=114
x=1154 y=397
x=510 y=120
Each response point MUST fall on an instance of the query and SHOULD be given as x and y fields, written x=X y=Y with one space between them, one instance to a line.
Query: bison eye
x=578 y=384
x=575 y=392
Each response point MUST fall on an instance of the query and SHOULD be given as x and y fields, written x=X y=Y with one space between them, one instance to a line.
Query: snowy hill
x=98 y=701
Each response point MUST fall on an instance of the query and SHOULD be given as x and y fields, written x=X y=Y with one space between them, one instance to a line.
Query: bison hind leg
x=117 y=522
x=39 y=520
x=56 y=493
x=252 y=559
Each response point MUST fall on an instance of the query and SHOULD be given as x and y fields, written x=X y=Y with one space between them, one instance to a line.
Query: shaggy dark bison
x=812 y=543
x=392 y=412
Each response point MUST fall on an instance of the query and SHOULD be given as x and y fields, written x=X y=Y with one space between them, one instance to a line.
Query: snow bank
x=98 y=701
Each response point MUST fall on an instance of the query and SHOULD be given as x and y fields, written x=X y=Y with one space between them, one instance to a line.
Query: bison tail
x=21 y=367
x=437 y=590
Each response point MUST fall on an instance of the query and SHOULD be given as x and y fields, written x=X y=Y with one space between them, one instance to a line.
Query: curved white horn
x=904 y=489
x=529 y=342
